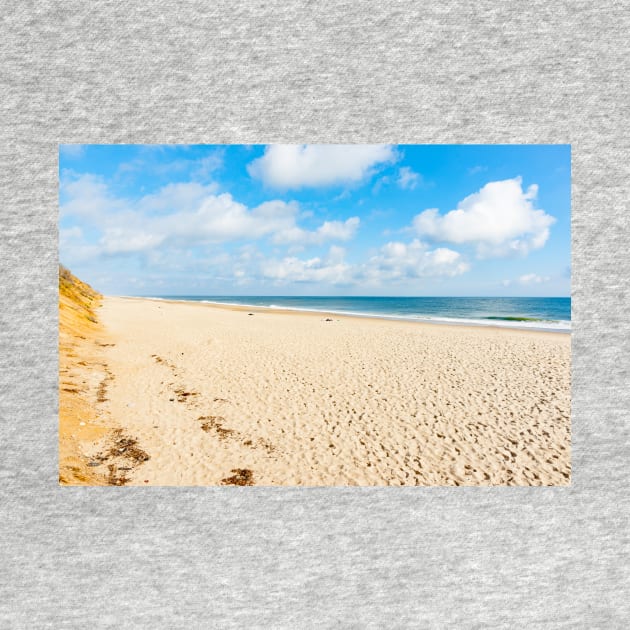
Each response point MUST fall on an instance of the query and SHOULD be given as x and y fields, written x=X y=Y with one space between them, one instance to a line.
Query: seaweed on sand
x=242 y=477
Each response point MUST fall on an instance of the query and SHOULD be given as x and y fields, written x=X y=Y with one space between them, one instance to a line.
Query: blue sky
x=439 y=220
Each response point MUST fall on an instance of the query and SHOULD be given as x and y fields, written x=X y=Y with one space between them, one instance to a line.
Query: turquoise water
x=538 y=313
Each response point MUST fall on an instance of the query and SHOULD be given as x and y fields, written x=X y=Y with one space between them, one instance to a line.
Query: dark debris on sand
x=123 y=455
x=242 y=477
x=102 y=388
x=128 y=448
x=214 y=423
x=182 y=396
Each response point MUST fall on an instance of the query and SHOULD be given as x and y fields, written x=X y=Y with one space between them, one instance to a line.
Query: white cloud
x=532 y=278
x=120 y=240
x=204 y=167
x=402 y=261
x=329 y=230
x=72 y=246
x=189 y=213
x=336 y=253
x=331 y=270
x=150 y=161
x=87 y=196
x=296 y=166
x=216 y=219
x=407 y=179
x=380 y=183
x=67 y=234
x=72 y=151
x=394 y=263
x=176 y=198
x=528 y=279
x=500 y=219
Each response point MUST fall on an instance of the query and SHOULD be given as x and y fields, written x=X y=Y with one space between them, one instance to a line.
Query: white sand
x=300 y=401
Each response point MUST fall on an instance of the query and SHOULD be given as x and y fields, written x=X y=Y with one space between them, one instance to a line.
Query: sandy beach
x=207 y=395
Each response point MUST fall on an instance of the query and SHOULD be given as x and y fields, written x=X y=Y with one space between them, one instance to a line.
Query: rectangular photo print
x=315 y=315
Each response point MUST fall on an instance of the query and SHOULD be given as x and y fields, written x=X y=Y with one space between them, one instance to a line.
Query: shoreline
x=505 y=325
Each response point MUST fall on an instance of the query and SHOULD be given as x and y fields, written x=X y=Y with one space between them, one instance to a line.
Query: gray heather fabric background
x=168 y=71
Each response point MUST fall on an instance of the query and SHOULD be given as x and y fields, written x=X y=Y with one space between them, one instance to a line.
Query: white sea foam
x=541 y=325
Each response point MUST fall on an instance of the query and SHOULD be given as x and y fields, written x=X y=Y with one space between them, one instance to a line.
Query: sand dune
x=83 y=379
x=213 y=395
x=79 y=373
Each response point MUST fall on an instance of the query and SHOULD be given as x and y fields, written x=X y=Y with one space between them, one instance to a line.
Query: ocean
x=515 y=312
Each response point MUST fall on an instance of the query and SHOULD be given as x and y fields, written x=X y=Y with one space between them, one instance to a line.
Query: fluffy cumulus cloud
x=398 y=261
x=331 y=270
x=395 y=262
x=499 y=220
x=289 y=166
x=216 y=219
x=329 y=230
x=186 y=214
